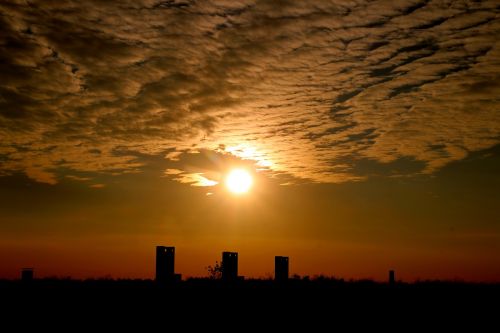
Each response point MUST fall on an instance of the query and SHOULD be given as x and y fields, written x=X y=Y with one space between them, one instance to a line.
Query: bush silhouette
x=215 y=271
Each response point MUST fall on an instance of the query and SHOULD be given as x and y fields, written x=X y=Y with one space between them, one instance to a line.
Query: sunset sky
x=370 y=130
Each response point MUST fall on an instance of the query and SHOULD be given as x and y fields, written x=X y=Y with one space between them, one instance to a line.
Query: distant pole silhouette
x=280 y=268
x=229 y=266
x=165 y=258
x=27 y=274
x=392 y=277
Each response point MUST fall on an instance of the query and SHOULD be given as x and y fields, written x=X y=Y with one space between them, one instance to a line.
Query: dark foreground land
x=213 y=304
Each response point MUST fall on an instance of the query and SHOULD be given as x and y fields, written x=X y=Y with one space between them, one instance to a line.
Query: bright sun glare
x=239 y=181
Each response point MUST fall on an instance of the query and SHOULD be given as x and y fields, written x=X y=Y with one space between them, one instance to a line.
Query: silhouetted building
x=165 y=263
x=27 y=274
x=229 y=266
x=280 y=268
x=392 y=278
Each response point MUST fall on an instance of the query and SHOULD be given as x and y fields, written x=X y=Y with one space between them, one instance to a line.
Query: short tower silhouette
x=165 y=258
x=229 y=266
x=27 y=274
x=280 y=268
x=392 y=277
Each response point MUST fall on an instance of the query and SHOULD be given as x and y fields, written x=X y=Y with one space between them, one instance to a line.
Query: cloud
x=195 y=179
x=170 y=172
x=77 y=178
x=310 y=89
x=192 y=178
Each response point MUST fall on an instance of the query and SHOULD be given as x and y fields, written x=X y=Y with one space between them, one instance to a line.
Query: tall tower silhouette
x=229 y=266
x=165 y=256
x=280 y=268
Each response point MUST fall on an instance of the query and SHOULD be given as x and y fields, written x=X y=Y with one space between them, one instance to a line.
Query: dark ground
x=211 y=305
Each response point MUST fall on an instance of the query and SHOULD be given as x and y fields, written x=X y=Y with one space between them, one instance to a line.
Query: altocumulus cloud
x=307 y=88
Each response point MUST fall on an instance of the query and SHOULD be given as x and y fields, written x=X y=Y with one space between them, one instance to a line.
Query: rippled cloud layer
x=318 y=90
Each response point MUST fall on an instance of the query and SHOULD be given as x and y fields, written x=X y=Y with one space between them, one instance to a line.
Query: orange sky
x=426 y=227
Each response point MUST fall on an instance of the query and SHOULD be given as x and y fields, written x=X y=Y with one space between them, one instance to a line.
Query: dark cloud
x=311 y=89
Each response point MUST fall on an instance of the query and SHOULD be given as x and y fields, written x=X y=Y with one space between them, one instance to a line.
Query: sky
x=371 y=130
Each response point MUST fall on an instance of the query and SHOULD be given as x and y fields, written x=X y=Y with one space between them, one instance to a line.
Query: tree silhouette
x=215 y=271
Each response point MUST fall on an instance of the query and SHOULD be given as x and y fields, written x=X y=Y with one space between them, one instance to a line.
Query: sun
x=239 y=181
